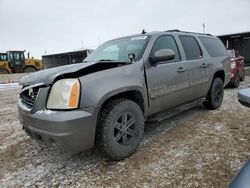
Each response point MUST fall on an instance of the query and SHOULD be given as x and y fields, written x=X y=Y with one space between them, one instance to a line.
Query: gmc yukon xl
x=106 y=99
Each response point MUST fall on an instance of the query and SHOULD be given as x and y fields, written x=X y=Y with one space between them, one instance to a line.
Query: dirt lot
x=197 y=148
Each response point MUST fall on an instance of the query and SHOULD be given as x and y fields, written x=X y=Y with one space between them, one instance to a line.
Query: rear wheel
x=235 y=83
x=3 y=71
x=30 y=69
x=120 y=129
x=215 y=95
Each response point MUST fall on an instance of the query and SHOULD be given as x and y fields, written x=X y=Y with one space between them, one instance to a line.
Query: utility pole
x=204 y=27
x=82 y=43
x=99 y=41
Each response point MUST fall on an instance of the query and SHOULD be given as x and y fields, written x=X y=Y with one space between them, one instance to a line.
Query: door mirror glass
x=162 y=55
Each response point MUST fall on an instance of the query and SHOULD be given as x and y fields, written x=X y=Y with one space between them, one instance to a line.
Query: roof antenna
x=143 y=31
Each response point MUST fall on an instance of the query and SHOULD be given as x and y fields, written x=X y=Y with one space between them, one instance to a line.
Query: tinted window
x=231 y=53
x=191 y=47
x=214 y=46
x=237 y=53
x=166 y=42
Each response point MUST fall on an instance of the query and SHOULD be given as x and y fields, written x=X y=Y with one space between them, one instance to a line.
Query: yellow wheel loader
x=15 y=62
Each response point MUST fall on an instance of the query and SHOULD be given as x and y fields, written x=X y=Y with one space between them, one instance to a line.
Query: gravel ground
x=197 y=148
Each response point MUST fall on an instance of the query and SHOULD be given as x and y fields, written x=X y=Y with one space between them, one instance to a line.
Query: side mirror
x=162 y=55
x=244 y=97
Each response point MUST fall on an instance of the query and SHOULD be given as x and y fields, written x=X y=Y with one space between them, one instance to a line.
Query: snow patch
x=9 y=86
x=47 y=112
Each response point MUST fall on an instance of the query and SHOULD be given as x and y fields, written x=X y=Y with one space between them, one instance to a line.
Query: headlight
x=64 y=94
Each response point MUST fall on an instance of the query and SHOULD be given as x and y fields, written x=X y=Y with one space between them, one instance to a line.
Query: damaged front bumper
x=69 y=130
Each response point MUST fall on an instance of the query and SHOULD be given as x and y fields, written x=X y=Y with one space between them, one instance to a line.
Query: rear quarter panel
x=221 y=63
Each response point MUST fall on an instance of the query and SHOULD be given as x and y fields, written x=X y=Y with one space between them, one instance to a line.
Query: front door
x=167 y=81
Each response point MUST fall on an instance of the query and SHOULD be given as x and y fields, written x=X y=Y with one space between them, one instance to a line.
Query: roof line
x=177 y=30
x=240 y=33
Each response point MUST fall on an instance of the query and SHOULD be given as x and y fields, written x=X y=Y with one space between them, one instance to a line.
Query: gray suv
x=105 y=100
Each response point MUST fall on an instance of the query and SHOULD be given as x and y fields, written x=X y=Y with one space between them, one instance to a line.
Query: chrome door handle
x=181 y=69
x=204 y=65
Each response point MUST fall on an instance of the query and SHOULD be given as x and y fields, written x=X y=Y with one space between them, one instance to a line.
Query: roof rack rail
x=173 y=30
x=176 y=30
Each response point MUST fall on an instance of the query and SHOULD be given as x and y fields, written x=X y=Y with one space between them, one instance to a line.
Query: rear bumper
x=69 y=130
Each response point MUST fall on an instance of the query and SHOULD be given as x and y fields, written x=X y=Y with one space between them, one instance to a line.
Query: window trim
x=167 y=35
x=184 y=49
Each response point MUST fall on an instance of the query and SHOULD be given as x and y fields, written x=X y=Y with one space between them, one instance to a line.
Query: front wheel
x=120 y=130
x=215 y=95
x=3 y=71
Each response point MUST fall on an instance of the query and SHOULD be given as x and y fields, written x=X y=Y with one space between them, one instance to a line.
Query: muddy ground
x=197 y=148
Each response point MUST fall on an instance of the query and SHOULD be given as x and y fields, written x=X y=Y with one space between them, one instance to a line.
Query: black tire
x=242 y=78
x=3 y=71
x=120 y=129
x=215 y=95
x=235 y=83
x=29 y=69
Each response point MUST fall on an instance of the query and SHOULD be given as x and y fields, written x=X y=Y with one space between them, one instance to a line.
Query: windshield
x=119 y=49
x=16 y=56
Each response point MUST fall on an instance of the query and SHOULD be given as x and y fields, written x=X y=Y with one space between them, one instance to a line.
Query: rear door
x=167 y=81
x=198 y=66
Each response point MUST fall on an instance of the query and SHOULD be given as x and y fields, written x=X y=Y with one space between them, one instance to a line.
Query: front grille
x=28 y=96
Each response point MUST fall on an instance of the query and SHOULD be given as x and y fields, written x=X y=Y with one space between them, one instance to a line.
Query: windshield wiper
x=106 y=60
x=112 y=60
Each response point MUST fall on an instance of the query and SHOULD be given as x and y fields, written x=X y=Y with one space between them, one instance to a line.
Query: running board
x=173 y=111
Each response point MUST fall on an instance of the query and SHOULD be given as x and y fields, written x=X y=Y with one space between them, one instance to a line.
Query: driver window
x=166 y=42
x=237 y=54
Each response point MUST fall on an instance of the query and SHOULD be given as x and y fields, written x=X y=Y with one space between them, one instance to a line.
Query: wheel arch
x=8 y=72
x=220 y=74
x=134 y=94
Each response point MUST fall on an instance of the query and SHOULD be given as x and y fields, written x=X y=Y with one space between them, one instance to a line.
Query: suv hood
x=47 y=77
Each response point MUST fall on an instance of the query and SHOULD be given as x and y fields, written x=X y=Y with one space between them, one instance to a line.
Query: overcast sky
x=63 y=25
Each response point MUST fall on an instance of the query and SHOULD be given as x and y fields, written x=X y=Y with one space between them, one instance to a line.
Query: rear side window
x=231 y=53
x=191 y=47
x=214 y=46
x=166 y=42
